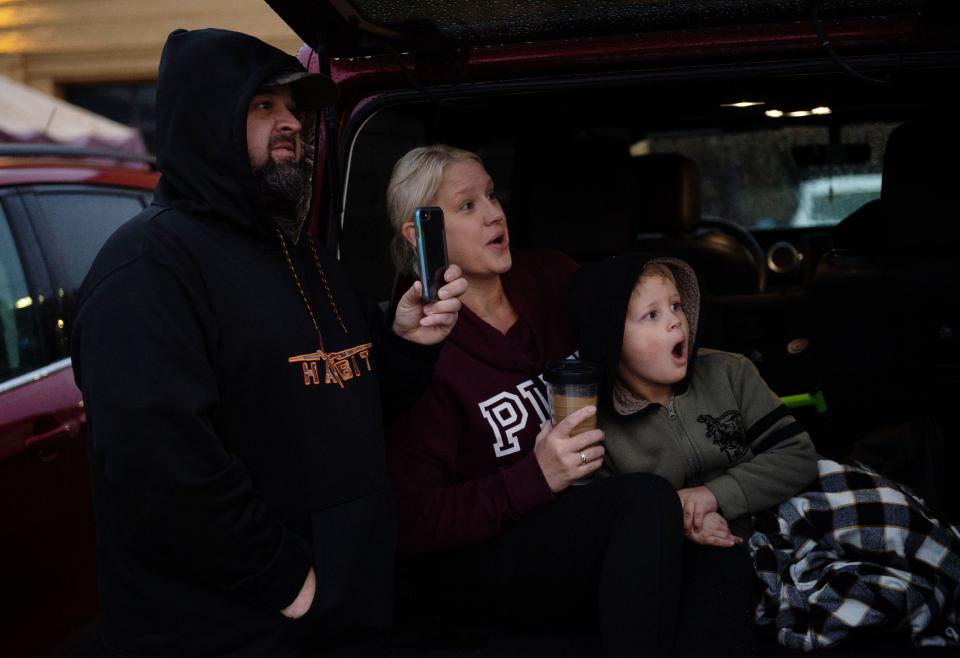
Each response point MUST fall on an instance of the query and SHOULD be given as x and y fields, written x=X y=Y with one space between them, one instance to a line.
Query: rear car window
x=75 y=226
x=760 y=180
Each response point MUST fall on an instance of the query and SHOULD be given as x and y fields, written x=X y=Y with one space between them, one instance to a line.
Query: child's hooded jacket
x=724 y=428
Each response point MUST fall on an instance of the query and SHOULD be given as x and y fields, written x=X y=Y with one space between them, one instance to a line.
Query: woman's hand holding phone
x=429 y=323
x=431 y=248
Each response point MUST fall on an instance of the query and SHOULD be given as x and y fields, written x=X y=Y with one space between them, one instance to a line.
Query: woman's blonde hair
x=414 y=182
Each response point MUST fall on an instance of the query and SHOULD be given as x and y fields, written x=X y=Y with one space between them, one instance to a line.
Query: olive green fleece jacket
x=726 y=430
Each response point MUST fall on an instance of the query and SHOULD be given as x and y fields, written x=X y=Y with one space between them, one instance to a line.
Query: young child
x=703 y=419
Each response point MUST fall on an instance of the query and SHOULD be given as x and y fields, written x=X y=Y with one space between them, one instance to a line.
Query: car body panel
x=60 y=172
x=46 y=538
x=47 y=548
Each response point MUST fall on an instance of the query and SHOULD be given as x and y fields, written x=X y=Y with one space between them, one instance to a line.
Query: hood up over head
x=601 y=296
x=206 y=81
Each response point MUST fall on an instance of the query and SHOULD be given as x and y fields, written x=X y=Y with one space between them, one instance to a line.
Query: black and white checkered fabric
x=853 y=554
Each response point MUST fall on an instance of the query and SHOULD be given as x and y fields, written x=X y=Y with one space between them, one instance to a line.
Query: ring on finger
x=583 y=458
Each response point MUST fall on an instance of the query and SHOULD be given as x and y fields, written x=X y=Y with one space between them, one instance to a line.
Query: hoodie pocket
x=354 y=545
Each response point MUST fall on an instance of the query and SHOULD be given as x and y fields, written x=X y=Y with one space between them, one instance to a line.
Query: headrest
x=667 y=193
x=919 y=179
x=910 y=164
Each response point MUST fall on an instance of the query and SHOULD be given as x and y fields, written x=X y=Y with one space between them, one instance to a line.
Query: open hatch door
x=345 y=28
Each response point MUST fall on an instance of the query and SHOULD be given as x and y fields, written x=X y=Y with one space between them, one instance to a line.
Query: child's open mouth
x=679 y=351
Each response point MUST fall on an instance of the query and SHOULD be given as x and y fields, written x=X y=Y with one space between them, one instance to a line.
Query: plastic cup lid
x=571 y=371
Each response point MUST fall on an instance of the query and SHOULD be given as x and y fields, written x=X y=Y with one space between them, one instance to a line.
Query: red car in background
x=57 y=207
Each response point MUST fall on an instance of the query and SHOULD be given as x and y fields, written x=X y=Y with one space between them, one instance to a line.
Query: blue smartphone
x=431 y=250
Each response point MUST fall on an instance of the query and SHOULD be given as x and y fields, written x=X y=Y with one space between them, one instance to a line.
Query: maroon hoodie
x=461 y=460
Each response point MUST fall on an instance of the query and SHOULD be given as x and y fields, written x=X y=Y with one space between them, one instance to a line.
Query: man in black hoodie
x=233 y=383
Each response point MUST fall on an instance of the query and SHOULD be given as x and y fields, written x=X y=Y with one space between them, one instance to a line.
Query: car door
x=49 y=235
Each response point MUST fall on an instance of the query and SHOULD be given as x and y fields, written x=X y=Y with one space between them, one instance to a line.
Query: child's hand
x=714 y=532
x=697 y=502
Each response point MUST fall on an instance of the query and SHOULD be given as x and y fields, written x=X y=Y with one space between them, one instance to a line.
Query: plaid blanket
x=853 y=554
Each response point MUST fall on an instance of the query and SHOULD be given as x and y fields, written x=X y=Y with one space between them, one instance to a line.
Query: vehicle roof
x=29 y=164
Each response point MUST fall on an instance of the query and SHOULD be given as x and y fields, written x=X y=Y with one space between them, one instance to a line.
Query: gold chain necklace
x=323 y=278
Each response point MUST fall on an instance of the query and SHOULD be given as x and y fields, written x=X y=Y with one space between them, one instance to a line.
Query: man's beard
x=282 y=186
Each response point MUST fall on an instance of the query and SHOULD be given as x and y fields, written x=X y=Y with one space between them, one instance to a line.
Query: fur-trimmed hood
x=601 y=297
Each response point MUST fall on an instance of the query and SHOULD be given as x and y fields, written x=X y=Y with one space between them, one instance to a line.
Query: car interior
x=807 y=181
x=768 y=180
x=792 y=190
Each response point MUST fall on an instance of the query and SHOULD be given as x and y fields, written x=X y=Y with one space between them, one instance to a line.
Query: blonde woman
x=482 y=479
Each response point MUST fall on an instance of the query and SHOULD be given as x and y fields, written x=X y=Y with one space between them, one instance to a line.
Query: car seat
x=887 y=299
x=852 y=334
x=667 y=199
x=922 y=262
x=887 y=296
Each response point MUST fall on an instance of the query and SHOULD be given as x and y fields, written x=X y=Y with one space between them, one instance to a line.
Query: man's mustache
x=283 y=142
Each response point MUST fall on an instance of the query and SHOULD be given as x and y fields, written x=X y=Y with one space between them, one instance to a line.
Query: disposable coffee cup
x=572 y=385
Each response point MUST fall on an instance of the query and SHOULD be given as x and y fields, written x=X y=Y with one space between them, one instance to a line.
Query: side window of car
x=74 y=226
x=20 y=342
